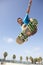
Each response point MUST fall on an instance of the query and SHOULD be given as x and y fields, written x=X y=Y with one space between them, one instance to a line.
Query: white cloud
x=30 y=46
x=33 y=49
x=9 y=40
x=36 y=48
x=26 y=51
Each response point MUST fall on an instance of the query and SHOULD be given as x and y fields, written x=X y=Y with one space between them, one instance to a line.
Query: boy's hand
x=30 y=1
x=24 y=27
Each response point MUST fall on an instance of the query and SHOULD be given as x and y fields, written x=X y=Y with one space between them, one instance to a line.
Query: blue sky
x=10 y=10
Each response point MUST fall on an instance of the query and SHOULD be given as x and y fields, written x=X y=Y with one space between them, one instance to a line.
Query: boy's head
x=19 y=20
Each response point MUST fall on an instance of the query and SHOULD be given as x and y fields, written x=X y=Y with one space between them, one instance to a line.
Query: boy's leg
x=28 y=33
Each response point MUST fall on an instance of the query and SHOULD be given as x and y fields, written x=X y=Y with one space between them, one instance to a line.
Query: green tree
x=21 y=58
x=27 y=58
x=5 y=55
x=14 y=56
x=35 y=60
x=39 y=59
x=31 y=59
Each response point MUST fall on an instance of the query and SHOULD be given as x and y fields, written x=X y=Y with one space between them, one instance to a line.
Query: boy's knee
x=28 y=33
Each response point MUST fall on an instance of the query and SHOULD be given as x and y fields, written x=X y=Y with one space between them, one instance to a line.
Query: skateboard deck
x=21 y=38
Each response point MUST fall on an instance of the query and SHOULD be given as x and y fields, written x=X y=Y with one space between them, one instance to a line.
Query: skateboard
x=22 y=37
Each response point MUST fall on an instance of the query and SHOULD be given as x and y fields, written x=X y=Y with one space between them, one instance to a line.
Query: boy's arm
x=29 y=6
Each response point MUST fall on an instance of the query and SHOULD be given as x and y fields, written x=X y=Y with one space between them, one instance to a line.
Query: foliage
x=5 y=55
x=14 y=56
